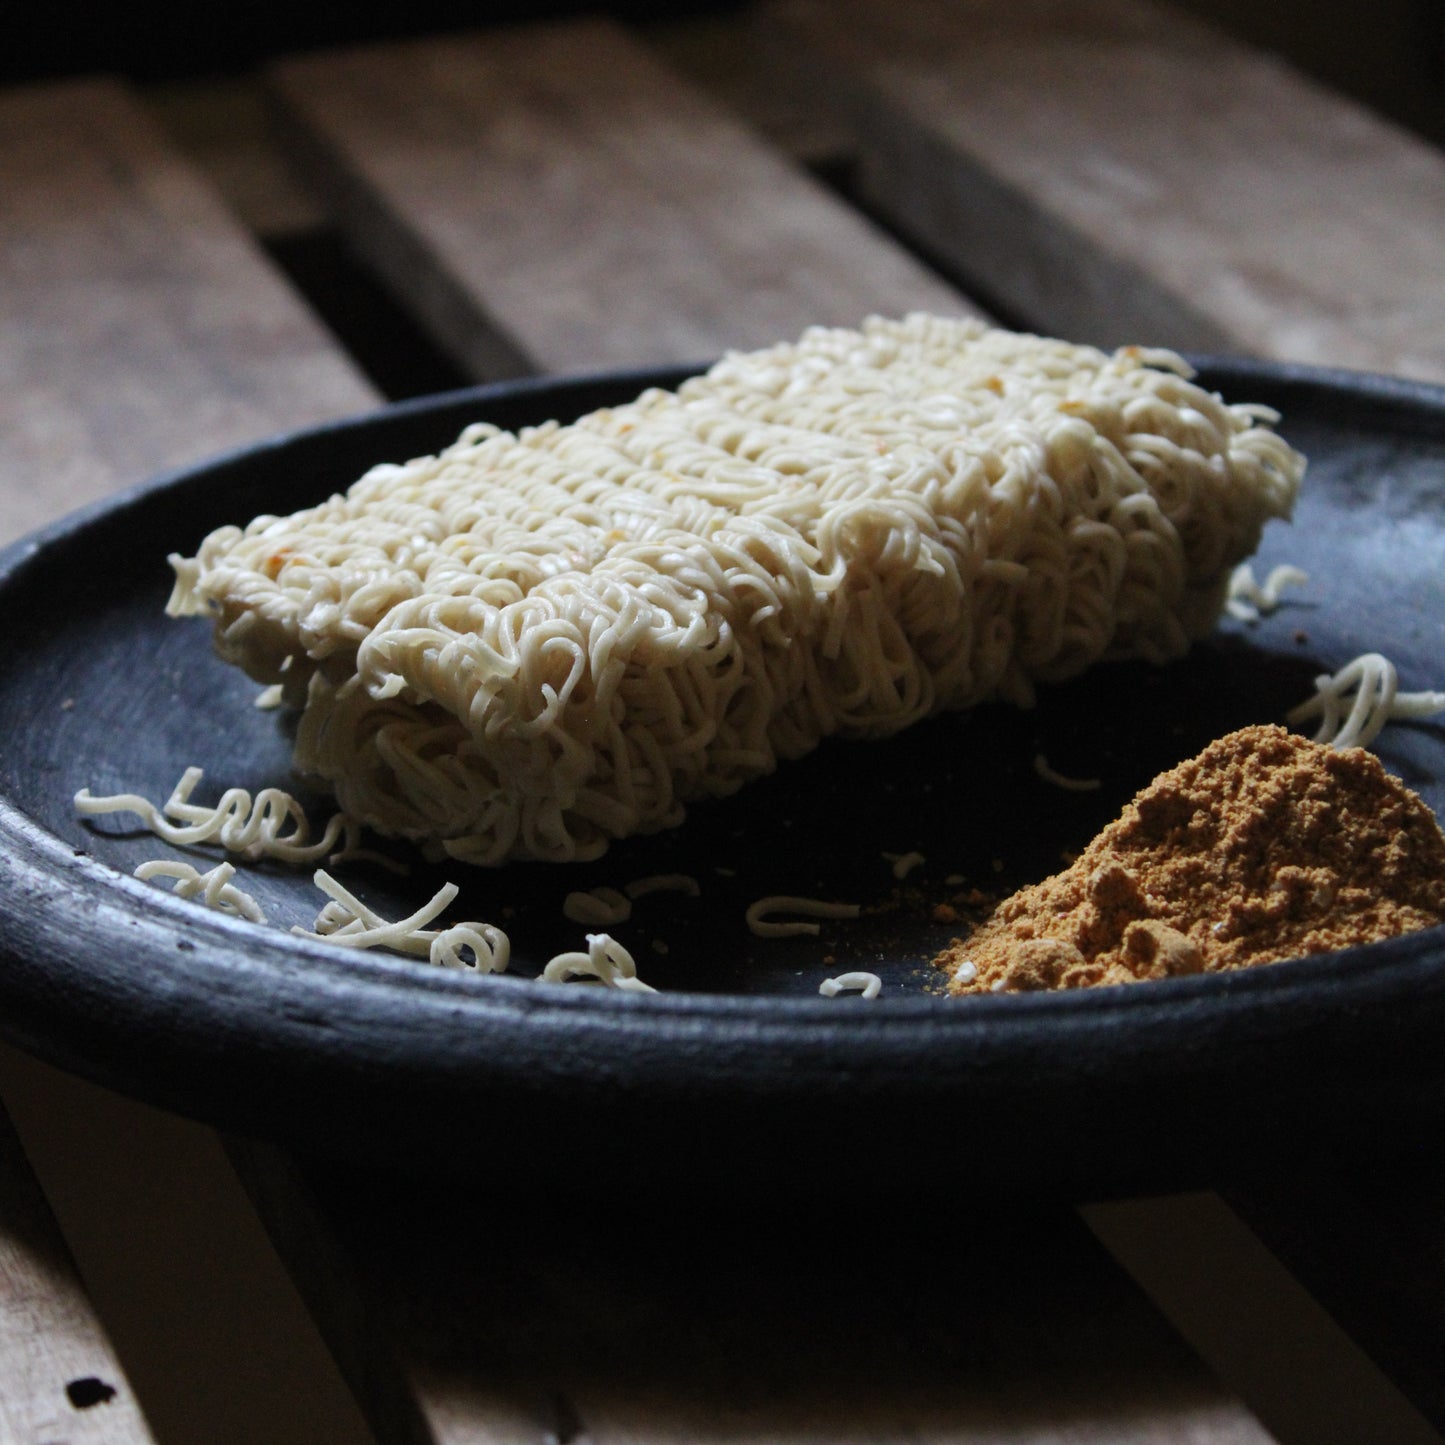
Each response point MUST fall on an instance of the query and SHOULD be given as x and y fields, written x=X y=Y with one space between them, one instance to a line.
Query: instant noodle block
x=537 y=642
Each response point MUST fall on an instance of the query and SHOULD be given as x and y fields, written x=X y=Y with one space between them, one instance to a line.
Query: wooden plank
x=139 y=327
x=59 y=1377
x=214 y=1338
x=397 y=1403
x=1116 y=172
x=225 y=128
x=555 y=199
x=1391 y=65
x=720 y=53
x=1367 y=1243
x=1256 y=1326
x=527 y=1319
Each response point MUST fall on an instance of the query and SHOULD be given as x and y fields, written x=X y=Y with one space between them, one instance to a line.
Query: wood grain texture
x=556 y=200
x=531 y=1320
x=720 y=54
x=50 y=1338
x=213 y=1336
x=1367 y=1242
x=1255 y=1325
x=1117 y=172
x=139 y=327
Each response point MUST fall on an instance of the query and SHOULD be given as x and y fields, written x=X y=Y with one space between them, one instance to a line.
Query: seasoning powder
x=1266 y=846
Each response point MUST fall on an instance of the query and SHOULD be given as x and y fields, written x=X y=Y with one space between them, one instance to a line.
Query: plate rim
x=664 y=1035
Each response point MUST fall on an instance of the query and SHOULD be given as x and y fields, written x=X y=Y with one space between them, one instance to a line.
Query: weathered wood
x=720 y=53
x=1117 y=172
x=531 y=1320
x=214 y=1338
x=139 y=327
x=225 y=128
x=556 y=200
x=1256 y=1326
x=59 y=1377
x=1367 y=1243
x=338 y=1292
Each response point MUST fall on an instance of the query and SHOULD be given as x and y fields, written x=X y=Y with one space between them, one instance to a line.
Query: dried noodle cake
x=537 y=642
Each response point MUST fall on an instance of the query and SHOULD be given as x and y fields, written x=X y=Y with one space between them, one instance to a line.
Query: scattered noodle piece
x=214 y=888
x=664 y=883
x=1248 y=601
x=868 y=984
x=598 y=908
x=605 y=960
x=905 y=863
x=349 y=923
x=269 y=697
x=1072 y=785
x=763 y=927
x=1354 y=703
x=490 y=948
x=256 y=829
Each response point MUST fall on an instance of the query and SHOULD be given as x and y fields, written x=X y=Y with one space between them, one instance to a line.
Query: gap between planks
x=1118 y=172
x=533 y=1319
x=555 y=199
x=1257 y=1327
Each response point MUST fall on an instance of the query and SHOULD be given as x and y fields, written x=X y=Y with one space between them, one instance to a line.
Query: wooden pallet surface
x=557 y=198
x=59 y=1375
x=1112 y=168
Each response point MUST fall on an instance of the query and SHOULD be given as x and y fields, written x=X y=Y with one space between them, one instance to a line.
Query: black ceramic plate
x=736 y=1064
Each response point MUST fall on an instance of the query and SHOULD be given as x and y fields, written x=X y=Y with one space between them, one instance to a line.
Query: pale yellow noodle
x=534 y=643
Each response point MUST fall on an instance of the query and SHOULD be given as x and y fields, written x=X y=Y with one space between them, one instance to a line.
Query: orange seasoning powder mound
x=1265 y=846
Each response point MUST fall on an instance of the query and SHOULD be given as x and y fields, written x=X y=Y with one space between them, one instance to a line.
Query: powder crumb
x=945 y=913
x=1264 y=847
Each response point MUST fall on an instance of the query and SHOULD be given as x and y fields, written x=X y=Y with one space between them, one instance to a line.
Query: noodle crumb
x=869 y=985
